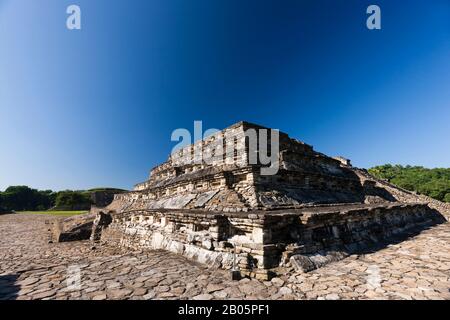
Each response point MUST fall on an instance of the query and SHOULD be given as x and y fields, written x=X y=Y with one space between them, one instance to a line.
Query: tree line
x=434 y=183
x=24 y=198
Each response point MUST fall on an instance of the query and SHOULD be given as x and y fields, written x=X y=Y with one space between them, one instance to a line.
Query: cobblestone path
x=32 y=268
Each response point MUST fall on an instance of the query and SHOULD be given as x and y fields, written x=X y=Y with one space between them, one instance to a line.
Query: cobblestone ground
x=32 y=268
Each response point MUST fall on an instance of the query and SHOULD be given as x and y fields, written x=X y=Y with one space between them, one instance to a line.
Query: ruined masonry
x=315 y=210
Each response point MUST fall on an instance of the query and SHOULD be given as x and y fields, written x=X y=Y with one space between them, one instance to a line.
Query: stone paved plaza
x=33 y=268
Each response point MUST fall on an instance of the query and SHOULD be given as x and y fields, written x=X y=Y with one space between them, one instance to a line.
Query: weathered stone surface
x=225 y=213
x=307 y=263
x=302 y=263
x=277 y=282
x=285 y=290
x=104 y=197
x=28 y=281
x=73 y=228
x=118 y=293
x=203 y=297
x=44 y=294
x=214 y=287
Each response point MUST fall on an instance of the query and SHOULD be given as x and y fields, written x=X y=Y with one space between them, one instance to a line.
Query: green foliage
x=23 y=198
x=447 y=197
x=431 y=182
x=73 y=200
x=2 y=206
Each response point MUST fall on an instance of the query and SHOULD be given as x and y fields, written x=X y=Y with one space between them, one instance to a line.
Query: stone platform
x=260 y=242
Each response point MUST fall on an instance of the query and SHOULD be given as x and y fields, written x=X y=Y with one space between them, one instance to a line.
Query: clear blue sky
x=96 y=107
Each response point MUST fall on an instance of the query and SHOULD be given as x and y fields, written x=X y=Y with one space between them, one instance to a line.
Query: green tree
x=20 y=198
x=23 y=198
x=431 y=182
x=447 y=197
x=73 y=200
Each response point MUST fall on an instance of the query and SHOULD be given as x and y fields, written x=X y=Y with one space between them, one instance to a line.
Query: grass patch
x=56 y=213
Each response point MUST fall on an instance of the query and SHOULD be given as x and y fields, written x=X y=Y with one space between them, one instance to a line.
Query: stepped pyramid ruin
x=234 y=185
x=225 y=212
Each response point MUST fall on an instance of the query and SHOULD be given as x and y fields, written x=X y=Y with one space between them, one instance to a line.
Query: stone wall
x=327 y=234
x=104 y=197
x=74 y=228
x=212 y=151
x=214 y=239
x=262 y=241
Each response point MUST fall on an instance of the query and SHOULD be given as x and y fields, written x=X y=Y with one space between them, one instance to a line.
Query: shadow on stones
x=356 y=191
x=372 y=242
x=376 y=243
x=8 y=288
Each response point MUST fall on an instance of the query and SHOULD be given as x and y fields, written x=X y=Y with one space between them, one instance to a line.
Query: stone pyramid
x=234 y=184
x=223 y=209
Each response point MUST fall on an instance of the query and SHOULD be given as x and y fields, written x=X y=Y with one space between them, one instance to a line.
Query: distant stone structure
x=78 y=227
x=104 y=197
x=224 y=212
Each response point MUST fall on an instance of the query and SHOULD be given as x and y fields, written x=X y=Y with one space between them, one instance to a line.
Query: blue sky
x=96 y=107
